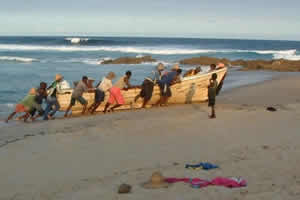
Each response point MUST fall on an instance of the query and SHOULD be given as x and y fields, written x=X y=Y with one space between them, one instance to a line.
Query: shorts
x=81 y=100
x=147 y=89
x=211 y=102
x=116 y=96
x=165 y=90
x=20 y=108
x=99 y=96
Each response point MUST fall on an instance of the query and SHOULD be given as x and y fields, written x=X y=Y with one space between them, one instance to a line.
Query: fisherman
x=166 y=81
x=212 y=68
x=51 y=98
x=148 y=84
x=26 y=105
x=193 y=72
x=80 y=88
x=212 y=92
x=104 y=86
x=115 y=95
x=41 y=94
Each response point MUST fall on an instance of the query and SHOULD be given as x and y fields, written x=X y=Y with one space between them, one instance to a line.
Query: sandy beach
x=89 y=157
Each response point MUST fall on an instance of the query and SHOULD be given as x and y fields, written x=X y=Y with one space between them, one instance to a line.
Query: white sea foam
x=9 y=105
x=139 y=56
x=77 y=40
x=17 y=59
x=6 y=107
x=288 y=54
x=292 y=55
x=100 y=61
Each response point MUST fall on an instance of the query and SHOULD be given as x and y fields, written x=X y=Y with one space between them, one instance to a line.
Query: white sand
x=87 y=158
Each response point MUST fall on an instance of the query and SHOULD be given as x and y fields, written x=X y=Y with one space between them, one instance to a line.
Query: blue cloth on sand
x=202 y=165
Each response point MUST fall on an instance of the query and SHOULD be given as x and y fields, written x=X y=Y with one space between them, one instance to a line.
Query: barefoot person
x=148 y=84
x=103 y=87
x=51 y=98
x=80 y=88
x=212 y=92
x=115 y=95
x=41 y=94
x=24 y=106
x=165 y=83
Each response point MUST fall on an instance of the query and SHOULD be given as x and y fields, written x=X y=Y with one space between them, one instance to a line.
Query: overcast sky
x=261 y=19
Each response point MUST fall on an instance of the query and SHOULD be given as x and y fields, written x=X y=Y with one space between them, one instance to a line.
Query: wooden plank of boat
x=191 y=89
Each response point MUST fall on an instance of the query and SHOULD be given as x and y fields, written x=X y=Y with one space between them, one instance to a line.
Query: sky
x=248 y=19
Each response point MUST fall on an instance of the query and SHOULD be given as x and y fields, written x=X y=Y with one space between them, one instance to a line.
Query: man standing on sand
x=212 y=93
x=80 y=88
x=148 y=84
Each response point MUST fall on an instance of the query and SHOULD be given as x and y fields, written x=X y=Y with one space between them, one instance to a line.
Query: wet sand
x=89 y=157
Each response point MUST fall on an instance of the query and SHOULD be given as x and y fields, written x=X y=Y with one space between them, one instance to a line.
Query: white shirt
x=105 y=84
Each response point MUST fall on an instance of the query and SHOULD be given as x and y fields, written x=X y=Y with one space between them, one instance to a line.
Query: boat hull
x=192 y=89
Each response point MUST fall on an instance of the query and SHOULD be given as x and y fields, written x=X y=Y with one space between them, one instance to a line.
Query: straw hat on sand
x=175 y=67
x=32 y=91
x=156 y=181
x=160 y=67
x=111 y=75
x=58 y=77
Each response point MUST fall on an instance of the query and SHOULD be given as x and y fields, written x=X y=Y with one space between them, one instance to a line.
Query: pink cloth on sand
x=116 y=96
x=229 y=182
x=219 y=181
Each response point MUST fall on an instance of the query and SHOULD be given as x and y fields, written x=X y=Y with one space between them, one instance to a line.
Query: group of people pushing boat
x=31 y=105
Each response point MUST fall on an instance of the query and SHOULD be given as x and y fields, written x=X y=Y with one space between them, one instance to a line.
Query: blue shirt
x=154 y=76
x=168 y=78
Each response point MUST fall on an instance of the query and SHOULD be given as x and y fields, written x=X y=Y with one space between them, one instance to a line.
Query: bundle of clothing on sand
x=31 y=105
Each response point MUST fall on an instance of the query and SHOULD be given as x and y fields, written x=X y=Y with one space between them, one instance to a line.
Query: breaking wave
x=77 y=40
x=17 y=59
x=292 y=55
x=287 y=54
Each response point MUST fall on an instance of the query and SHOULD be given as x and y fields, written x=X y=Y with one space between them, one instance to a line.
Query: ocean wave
x=290 y=53
x=287 y=56
x=75 y=40
x=100 y=61
x=6 y=107
x=17 y=59
x=90 y=61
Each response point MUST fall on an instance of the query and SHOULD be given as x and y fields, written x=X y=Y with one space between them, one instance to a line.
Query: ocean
x=26 y=61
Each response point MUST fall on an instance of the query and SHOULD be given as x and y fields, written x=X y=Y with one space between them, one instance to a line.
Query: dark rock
x=130 y=60
x=273 y=65
x=124 y=188
x=265 y=147
x=271 y=109
x=203 y=60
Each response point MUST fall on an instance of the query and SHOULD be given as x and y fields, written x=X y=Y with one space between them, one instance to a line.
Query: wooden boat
x=191 y=89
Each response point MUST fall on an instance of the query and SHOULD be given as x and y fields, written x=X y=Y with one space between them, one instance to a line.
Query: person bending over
x=80 y=88
x=115 y=95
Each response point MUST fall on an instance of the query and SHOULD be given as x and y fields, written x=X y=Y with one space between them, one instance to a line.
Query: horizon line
x=143 y=36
